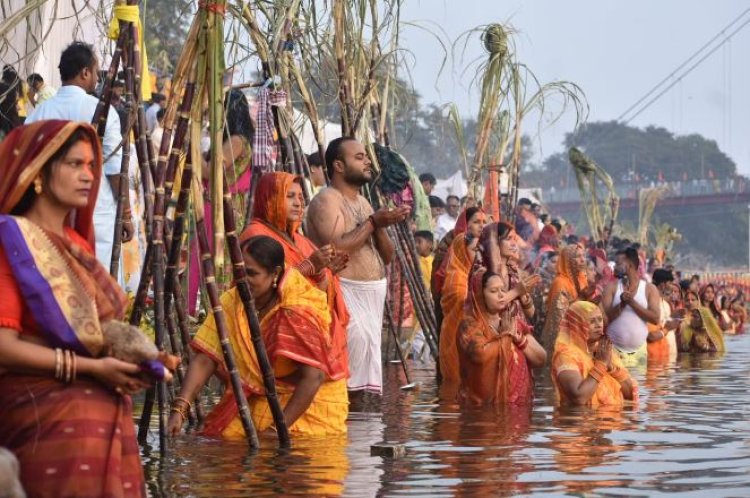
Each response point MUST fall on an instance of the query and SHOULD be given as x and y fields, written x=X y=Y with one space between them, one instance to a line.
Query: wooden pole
x=243 y=289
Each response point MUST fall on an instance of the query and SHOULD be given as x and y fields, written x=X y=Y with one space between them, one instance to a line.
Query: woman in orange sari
x=65 y=410
x=277 y=213
x=496 y=354
x=455 y=289
x=295 y=324
x=584 y=370
x=569 y=285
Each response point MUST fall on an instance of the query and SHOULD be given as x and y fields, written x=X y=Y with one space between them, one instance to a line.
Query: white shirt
x=151 y=120
x=445 y=223
x=628 y=331
x=74 y=104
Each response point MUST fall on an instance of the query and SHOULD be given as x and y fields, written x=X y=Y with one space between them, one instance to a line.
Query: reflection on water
x=690 y=436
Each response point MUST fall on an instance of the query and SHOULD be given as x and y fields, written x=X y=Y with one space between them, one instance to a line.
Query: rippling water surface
x=688 y=437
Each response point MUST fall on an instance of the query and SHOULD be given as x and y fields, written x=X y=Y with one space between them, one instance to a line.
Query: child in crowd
x=425 y=242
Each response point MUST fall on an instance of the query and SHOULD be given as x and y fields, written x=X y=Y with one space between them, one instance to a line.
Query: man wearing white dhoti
x=79 y=69
x=339 y=215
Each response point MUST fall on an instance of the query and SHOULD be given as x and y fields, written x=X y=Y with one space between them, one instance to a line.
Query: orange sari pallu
x=454 y=292
x=563 y=292
x=571 y=353
x=270 y=219
x=493 y=369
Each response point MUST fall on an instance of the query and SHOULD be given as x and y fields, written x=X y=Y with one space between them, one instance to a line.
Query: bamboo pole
x=209 y=275
x=243 y=289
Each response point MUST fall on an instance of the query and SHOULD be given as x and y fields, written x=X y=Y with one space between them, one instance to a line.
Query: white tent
x=454 y=185
x=35 y=43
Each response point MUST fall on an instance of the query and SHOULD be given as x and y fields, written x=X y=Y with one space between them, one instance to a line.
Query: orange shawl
x=571 y=353
x=567 y=280
x=452 y=302
x=493 y=369
x=269 y=218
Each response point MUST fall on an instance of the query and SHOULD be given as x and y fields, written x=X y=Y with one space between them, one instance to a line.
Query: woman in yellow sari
x=295 y=324
x=454 y=291
x=700 y=333
x=584 y=370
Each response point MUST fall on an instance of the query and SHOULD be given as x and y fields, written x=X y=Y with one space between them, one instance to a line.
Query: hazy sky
x=616 y=51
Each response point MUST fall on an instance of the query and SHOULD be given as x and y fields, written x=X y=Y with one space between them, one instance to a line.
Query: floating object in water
x=388 y=450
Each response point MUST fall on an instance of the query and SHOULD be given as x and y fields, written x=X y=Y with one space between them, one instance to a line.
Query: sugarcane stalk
x=222 y=327
x=392 y=329
x=406 y=239
x=124 y=190
x=256 y=336
x=99 y=120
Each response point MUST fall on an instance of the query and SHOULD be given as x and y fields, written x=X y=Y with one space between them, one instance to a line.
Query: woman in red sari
x=277 y=213
x=495 y=353
x=65 y=410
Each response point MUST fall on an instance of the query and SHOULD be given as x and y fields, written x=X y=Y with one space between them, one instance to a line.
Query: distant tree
x=166 y=26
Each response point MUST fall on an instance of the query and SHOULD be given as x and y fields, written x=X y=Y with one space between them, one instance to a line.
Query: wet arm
x=307 y=383
x=534 y=352
x=576 y=388
x=201 y=368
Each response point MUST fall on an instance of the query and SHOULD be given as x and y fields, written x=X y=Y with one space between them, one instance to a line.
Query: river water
x=689 y=437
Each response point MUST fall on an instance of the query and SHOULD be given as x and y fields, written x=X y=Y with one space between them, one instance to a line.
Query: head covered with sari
x=572 y=353
x=55 y=274
x=489 y=245
x=270 y=200
x=570 y=278
x=548 y=237
x=26 y=151
x=712 y=328
x=492 y=371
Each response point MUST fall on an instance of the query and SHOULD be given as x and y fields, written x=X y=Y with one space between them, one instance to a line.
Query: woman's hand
x=119 y=375
x=174 y=426
x=604 y=352
x=527 y=283
x=321 y=258
x=338 y=262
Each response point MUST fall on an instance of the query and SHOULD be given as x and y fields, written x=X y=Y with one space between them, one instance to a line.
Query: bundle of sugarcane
x=647 y=200
x=587 y=173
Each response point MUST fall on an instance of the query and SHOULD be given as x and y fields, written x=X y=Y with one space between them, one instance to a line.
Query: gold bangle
x=75 y=366
x=58 y=363
x=68 y=365
x=179 y=412
x=181 y=399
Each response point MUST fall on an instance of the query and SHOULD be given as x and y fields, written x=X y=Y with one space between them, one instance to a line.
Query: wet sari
x=563 y=292
x=494 y=370
x=270 y=219
x=690 y=340
x=571 y=353
x=74 y=439
x=453 y=298
x=296 y=330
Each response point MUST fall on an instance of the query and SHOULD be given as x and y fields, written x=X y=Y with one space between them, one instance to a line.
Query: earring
x=38 y=187
x=275 y=282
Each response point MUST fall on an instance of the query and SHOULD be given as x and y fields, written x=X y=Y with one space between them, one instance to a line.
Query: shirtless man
x=339 y=215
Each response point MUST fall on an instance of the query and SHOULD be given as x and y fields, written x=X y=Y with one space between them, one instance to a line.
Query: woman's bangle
x=58 y=363
x=598 y=371
x=523 y=343
x=180 y=399
x=179 y=412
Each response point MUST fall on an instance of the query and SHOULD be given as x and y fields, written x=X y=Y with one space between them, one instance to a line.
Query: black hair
x=266 y=251
x=452 y=197
x=436 y=202
x=543 y=217
x=684 y=285
x=547 y=256
x=695 y=277
x=571 y=239
x=75 y=58
x=333 y=152
x=487 y=276
x=314 y=160
x=427 y=177
x=504 y=230
x=160 y=114
x=34 y=78
x=534 y=205
x=631 y=254
x=27 y=200
x=425 y=234
x=471 y=212
x=157 y=98
x=238 y=117
x=10 y=75
x=524 y=201
x=556 y=223
x=118 y=84
x=662 y=276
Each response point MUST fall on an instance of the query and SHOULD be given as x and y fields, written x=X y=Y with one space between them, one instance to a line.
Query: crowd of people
x=511 y=295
